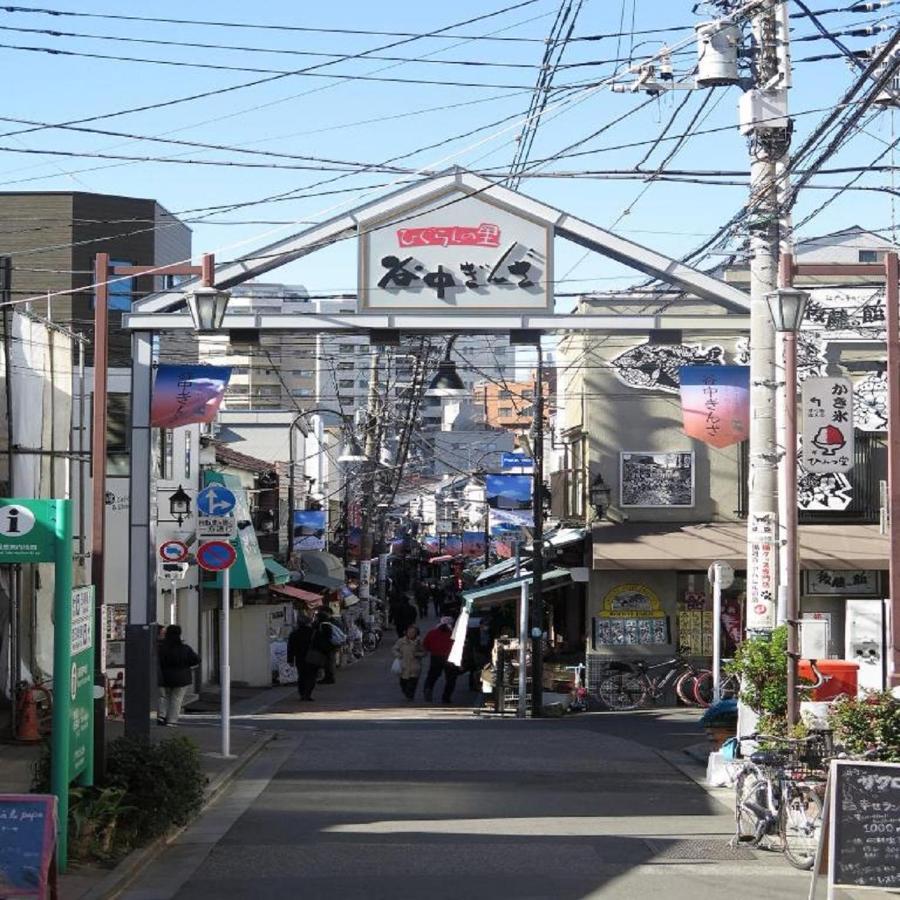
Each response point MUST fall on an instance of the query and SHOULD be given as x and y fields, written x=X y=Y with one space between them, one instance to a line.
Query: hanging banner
x=309 y=529
x=185 y=394
x=509 y=499
x=473 y=543
x=826 y=409
x=763 y=571
x=453 y=544
x=715 y=403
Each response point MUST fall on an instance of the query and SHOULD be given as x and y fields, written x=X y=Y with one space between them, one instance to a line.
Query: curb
x=125 y=873
x=691 y=769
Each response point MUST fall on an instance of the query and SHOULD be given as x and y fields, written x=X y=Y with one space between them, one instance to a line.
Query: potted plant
x=761 y=664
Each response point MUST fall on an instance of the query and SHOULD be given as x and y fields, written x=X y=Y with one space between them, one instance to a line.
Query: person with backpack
x=328 y=639
x=176 y=659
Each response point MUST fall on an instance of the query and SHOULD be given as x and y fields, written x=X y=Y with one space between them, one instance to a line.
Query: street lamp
x=787 y=306
x=600 y=493
x=207 y=305
x=446 y=382
x=180 y=504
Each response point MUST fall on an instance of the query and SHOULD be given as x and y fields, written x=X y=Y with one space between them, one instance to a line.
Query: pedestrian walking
x=176 y=659
x=298 y=655
x=422 y=597
x=404 y=616
x=437 y=598
x=328 y=639
x=408 y=651
x=438 y=642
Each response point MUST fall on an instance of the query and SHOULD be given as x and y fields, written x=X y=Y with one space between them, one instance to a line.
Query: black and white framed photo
x=656 y=479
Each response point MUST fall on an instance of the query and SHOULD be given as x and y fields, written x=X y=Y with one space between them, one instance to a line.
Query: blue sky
x=372 y=121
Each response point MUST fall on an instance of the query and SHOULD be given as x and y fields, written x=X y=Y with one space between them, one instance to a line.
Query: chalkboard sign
x=864 y=844
x=27 y=844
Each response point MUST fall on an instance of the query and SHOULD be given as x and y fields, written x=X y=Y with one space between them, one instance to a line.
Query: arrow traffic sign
x=215 y=556
x=173 y=551
x=215 y=500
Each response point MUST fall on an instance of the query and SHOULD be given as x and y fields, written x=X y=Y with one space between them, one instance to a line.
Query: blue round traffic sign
x=215 y=500
x=214 y=556
x=173 y=551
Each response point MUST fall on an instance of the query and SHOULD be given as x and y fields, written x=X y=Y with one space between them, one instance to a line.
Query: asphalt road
x=367 y=796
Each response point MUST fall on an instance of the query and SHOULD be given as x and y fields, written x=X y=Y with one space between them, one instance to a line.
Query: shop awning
x=511 y=588
x=277 y=573
x=293 y=593
x=494 y=571
x=564 y=537
x=321 y=568
x=650 y=546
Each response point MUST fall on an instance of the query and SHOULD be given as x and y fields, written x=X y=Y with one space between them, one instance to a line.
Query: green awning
x=510 y=589
x=278 y=574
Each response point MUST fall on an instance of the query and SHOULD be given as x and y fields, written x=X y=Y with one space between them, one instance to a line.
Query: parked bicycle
x=624 y=686
x=729 y=687
x=780 y=791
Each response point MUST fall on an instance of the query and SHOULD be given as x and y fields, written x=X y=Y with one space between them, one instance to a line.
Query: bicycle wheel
x=799 y=823
x=685 y=687
x=703 y=688
x=731 y=687
x=750 y=803
x=621 y=689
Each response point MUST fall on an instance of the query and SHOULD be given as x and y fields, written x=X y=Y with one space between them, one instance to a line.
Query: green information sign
x=33 y=531
x=81 y=681
x=27 y=531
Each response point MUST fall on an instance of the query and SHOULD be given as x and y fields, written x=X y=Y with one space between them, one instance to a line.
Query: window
x=302 y=392
x=871 y=256
x=505 y=412
x=240 y=370
x=305 y=373
x=237 y=389
x=120 y=289
x=345 y=383
x=505 y=395
x=346 y=348
x=268 y=390
x=528 y=394
x=118 y=423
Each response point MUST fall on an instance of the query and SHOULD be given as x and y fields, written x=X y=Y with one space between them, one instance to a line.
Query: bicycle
x=729 y=687
x=624 y=686
x=781 y=791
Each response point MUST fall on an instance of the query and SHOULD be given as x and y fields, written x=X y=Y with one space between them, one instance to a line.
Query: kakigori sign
x=456 y=252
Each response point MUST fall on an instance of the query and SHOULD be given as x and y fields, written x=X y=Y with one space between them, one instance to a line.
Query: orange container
x=844 y=677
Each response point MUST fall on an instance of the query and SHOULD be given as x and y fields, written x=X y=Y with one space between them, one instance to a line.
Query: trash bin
x=842 y=675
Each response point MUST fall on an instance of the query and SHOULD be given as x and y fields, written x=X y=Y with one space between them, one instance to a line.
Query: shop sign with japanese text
x=27 y=531
x=81 y=678
x=456 y=253
x=826 y=409
x=762 y=572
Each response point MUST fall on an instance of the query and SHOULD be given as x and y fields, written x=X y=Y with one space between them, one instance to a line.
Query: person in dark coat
x=176 y=659
x=422 y=597
x=439 y=642
x=404 y=616
x=299 y=645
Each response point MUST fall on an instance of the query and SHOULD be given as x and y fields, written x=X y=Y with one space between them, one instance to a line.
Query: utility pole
x=764 y=120
x=537 y=556
x=371 y=452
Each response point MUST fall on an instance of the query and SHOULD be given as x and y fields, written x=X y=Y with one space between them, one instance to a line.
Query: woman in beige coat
x=408 y=650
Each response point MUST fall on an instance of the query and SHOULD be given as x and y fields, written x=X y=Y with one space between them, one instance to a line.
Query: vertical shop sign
x=762 y=565
x=827 y=416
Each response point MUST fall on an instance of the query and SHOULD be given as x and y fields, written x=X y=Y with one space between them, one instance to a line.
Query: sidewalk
x=86 y=882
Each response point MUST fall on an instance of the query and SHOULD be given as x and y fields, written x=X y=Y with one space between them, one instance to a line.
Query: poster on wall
x=826 y=412
x=658 y=366
x=715 y=404
x=309 y=529
x=630 y=614
x=656 y=479
x=763 y=571
x=473 y=544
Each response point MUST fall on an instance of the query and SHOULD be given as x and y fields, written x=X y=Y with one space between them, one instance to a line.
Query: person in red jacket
x=438 y=643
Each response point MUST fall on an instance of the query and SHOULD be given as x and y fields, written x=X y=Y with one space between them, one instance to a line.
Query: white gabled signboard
x=826 y=410
x=455 y=252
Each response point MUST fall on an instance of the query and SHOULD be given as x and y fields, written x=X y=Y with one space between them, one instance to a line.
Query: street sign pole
x=225 y=677
x=717 y=634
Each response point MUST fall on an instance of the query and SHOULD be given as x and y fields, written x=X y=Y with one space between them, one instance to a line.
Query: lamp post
x=787 y=306
x=600 y=493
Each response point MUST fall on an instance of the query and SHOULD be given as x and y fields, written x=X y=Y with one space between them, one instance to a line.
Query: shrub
x=149 y=788
x=868 y=723
x=761 y=663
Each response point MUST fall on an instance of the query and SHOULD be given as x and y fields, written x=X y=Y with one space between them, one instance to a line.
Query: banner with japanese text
x=715 y=403
x=185 y=394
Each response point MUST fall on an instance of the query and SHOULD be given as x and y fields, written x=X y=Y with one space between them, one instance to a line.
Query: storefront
x=649 y=594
